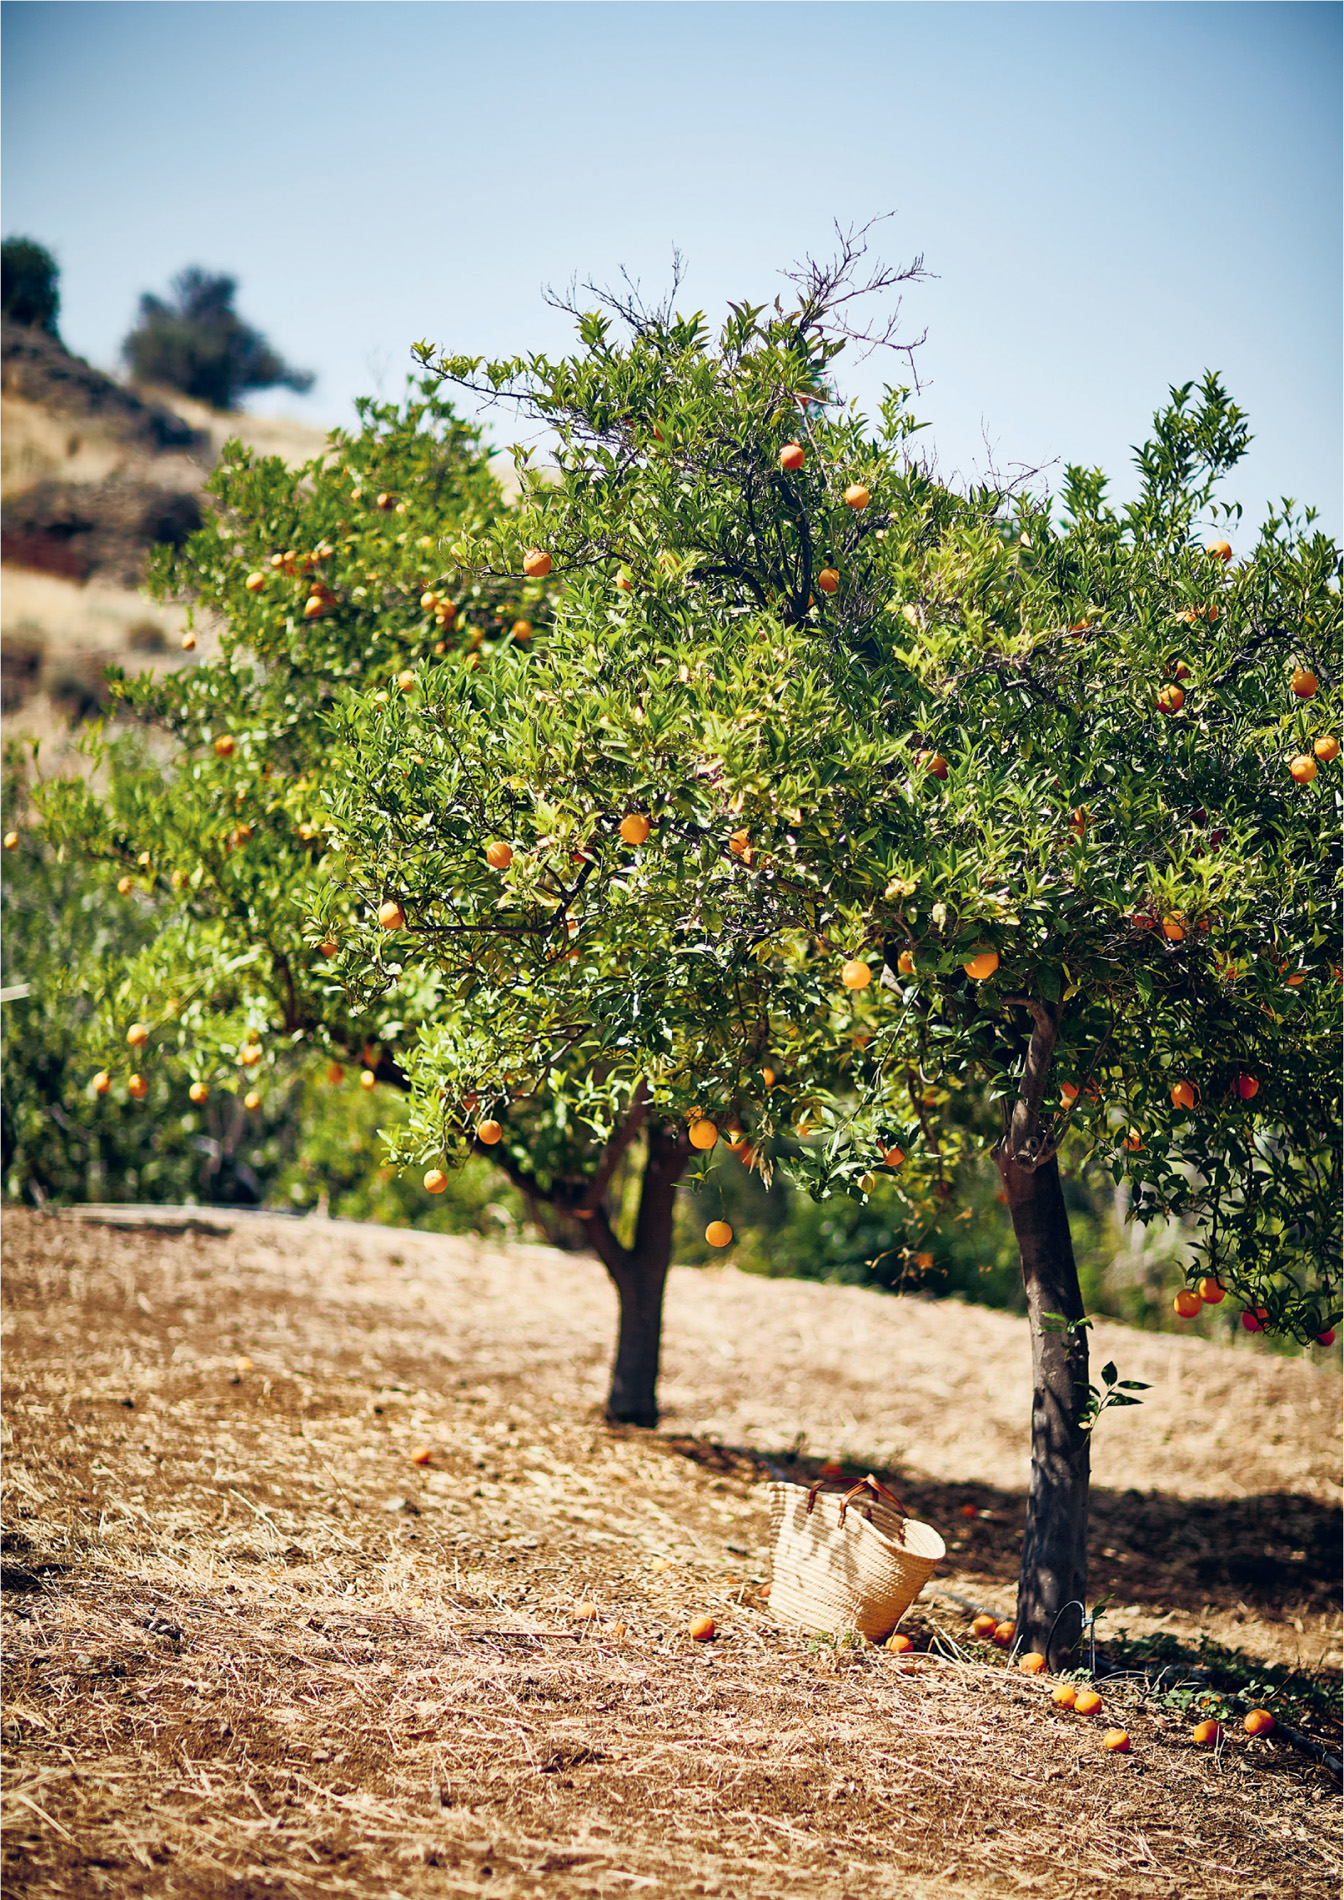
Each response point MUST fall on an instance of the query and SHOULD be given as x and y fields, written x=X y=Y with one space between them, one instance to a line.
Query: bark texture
x=639 y=1274
x=1054 y=1548
x=1053 y=1573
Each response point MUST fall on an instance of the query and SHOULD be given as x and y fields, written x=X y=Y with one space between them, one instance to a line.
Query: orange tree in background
x=833 y=793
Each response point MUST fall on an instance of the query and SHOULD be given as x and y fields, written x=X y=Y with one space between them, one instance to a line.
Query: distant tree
x=197 y=343
x=29 y=272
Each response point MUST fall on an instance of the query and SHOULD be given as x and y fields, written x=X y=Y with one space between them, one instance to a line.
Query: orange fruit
x=254 y=583
x=856 y=974
x=1068 y=1092
x=125 y=885
x=1326 y=748
x=390 y=915
x=188 y=642
x=933 y=762
x=1327 y=1338
x=1305 y=684
x=499 y=855
x=102 y=1082
x=521 y=631
x=489 y=1131
x=1221 y=550
x=1207 y=1734
x=1302 y=768
x=893 y=1157
x=905 y=963
x=792 y=455
x=1032 y=1664
x=984 y=1625
x=367 y=1079
x=981 y=965
x=198 y=1092
x=857 y=496
x=702 y=1630
x=740 y=844
x=1187 y=1303
x=138 y=1087
x=1116 y=1741
x=1134 y=1141
x=224 y=745
x=11 y=841
x=718 y=1233
x=1183 y=1095
x=137 y=1036
x=1087 y=1702
x=435 y=1181
x=703 y=1134
x=406 y=681
x=335 y=1074
x=586 y=1612
x=1259 y=1722
x=536 y=564
x=249 y=1056
x=1064 y=1695
x=1170 y=699
x=251 y=1100
x=1209 y=1291
x=1254 y=1322
x=313 y=607
x=634 y=828
x=385 y=502
x=1173 y=929
x=1247 y=1086
x=1004 y=1634
x=422 y=1455
x=899 y=1644
x=1079 y=628
x=828 y=580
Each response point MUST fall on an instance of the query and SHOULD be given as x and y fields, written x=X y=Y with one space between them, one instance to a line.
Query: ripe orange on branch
x=1210 y=1291
x=499 y=855
x=982 y=964
x=1187 y=1303
x=856 y=974
x=1326 y=748
x=718 y=1233
x=1305 y=683
x=634 y=827
x=828 y=580
x=703 y=1133
x=1302 y=768
x=489 y=1131
x=435 y=1181
x=1170 y=699
x=137 y=1035
x=1221 y=550
x=138 y=1087
x=857 y=496
x=1183 y=1095
x=792 y=455
x=390 y=915
x=536 y=564
x=224 y=745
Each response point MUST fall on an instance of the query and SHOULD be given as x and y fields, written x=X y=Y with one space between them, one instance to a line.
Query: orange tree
x=834 y=795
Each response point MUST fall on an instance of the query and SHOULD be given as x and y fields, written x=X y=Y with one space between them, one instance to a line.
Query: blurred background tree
x=28 y=284
x=197 y=344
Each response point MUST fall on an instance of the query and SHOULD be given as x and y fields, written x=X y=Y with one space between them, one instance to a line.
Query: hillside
x=93 y=475
x=323 y=1575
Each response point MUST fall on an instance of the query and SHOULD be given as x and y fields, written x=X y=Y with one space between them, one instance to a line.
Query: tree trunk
x=1054 y=1547
x=639 y=1274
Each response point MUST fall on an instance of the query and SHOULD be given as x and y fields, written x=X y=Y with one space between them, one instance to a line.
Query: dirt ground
x=253 y=1648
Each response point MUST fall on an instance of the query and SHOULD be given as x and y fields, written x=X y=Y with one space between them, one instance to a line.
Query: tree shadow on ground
x=1276 y=1554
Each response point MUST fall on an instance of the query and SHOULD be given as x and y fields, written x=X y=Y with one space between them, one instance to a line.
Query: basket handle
x=870 y=1483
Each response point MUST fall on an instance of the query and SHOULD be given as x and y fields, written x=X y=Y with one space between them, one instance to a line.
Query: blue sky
x=1112 y=197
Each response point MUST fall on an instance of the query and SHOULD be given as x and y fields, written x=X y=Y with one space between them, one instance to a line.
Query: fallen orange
x=1087 y=1702
x=1207 y=1734
x=984 y=1625
x=899 y=1643
x=1259 y=1722
x=702 y=1630
x=1064 y=1695
x=1032 y=1664
x=1004 y=1634
x=1116 y=1740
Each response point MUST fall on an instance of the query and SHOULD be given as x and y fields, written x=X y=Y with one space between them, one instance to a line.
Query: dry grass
x=252 y=1649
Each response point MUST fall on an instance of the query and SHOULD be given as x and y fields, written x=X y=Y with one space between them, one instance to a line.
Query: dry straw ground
x=253 y=1649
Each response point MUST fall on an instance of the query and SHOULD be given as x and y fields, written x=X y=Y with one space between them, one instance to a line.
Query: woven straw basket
x=856 y=1562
